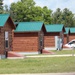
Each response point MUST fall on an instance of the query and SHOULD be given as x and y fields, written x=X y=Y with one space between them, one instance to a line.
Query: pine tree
x=1 y=6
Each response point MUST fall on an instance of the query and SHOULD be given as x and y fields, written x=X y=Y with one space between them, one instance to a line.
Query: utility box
x=2 y=56
x=56 y=42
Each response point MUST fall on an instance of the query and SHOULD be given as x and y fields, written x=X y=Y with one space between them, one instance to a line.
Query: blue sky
x=51 y=4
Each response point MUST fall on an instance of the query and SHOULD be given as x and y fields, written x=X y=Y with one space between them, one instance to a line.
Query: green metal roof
x=67 y=30
x=3 y=19
x=29 y=26
x=72 y=30
x=54 y=27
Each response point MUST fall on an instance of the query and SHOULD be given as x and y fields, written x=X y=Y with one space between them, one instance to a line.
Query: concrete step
x=47 y=52
x=14 y=55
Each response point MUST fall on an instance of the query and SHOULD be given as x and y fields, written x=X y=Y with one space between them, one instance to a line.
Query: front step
x=14 y=55
x=47 y=52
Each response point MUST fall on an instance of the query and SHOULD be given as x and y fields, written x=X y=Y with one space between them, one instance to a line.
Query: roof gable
x=3 y=19
x=29 y=27
x=54 y=27
x=11 y=23
x=72 y=30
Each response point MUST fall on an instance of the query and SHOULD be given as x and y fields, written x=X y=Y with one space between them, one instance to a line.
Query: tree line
x=26 y=10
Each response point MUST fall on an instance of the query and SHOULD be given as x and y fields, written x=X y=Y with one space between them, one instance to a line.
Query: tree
x=36 y=14
x=6 y=10
x=47 y=15
x=25 y=10
x=57 y=16
x=21 y=10
x=14 y=11
x=1 y=6
x=68 y=18
x=65 y=17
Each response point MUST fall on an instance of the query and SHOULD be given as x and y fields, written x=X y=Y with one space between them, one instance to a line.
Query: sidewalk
x=64 y=55
x=43 y=74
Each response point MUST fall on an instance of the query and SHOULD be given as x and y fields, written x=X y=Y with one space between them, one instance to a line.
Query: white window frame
x=6 y=39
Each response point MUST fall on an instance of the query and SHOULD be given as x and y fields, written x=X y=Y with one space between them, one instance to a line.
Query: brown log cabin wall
x=65 y=39
x=25 y=42
x=71 y=36
x=49 y=39
x=7 y=27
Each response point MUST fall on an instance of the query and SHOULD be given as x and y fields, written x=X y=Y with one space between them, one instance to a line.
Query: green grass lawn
x=56 y=52
x=38 y=65
x=63 y=52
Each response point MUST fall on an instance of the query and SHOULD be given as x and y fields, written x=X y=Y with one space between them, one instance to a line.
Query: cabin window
x=6 y=39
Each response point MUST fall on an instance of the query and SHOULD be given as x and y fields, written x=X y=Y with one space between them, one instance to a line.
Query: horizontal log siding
x=25 y=42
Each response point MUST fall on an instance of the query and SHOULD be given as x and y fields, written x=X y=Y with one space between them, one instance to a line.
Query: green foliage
x=6 y=10
x=68 y=17
x=1 y=7
x=57 y=16
x=25 y=10
x=65 y=17
x=47 y=15
x=21 y=11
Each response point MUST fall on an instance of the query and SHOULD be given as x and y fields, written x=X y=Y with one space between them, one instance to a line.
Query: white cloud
x=51 y=4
